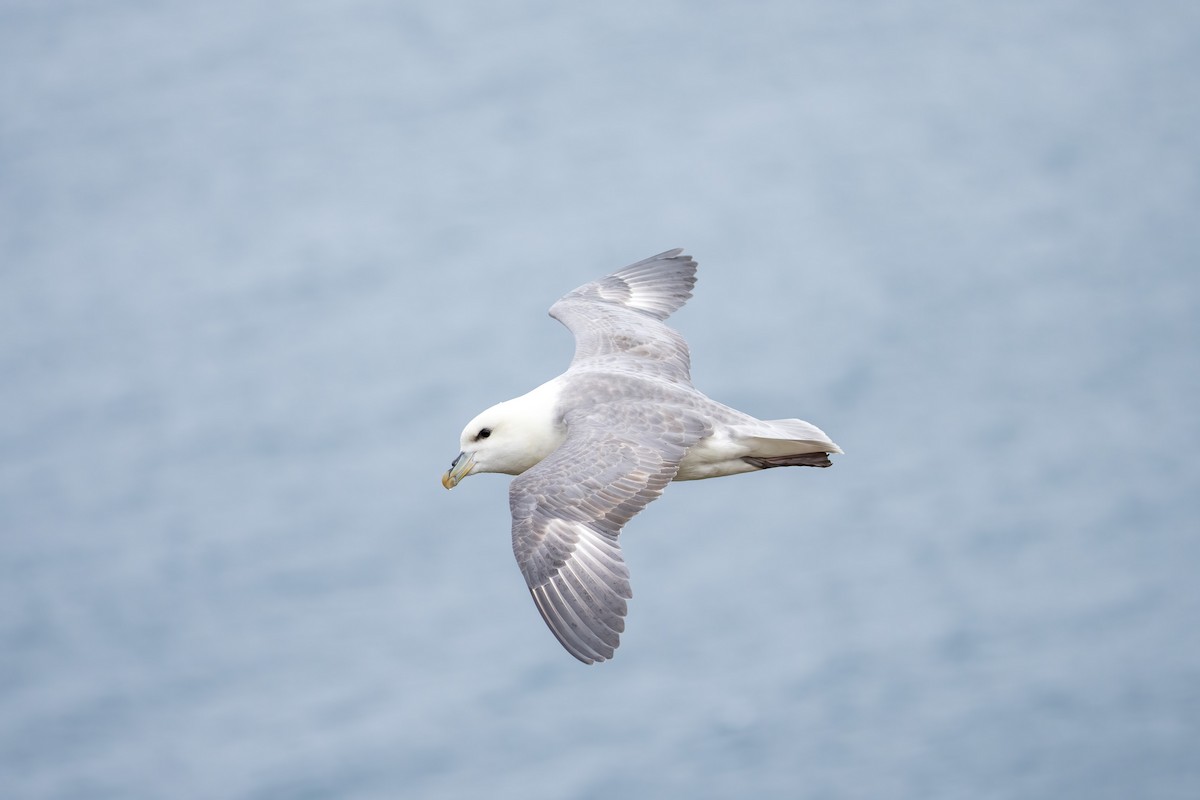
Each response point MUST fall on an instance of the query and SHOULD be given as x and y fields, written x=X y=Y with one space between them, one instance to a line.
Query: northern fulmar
x=593 y=446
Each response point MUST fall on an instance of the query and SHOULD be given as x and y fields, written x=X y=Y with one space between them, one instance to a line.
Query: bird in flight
x=593 y=446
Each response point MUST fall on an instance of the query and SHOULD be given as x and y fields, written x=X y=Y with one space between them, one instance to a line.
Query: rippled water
x=259 y=265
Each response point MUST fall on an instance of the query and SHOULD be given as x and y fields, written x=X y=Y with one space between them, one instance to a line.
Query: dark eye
x=484 y=433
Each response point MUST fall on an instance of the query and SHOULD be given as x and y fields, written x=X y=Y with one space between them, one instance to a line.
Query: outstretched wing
x=618 y=320
x=569 y=509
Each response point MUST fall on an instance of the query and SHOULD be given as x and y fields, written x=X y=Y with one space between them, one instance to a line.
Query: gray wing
x=618 y=320
x=568 y=510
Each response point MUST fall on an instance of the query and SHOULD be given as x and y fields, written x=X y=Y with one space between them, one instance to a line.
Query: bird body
x=594 y=445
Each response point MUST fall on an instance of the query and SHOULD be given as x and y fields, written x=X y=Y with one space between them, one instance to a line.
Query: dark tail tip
x=797 y=460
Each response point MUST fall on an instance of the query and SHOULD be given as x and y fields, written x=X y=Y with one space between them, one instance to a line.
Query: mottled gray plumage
x=617 y=320
x=625 y=439
x=592 y=447
x=568 y=510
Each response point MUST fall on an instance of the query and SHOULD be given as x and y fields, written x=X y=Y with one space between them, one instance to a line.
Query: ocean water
x=260 y=263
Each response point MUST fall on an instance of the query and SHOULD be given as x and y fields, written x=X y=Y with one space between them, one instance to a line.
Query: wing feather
x=618 y=324
x=566 y=540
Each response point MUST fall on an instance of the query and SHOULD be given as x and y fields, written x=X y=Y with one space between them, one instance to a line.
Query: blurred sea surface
x=259 y=263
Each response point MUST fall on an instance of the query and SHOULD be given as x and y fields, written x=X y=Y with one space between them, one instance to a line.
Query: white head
x=509 y=437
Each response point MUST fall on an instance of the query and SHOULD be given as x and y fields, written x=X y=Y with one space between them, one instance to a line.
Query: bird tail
x=789 y=443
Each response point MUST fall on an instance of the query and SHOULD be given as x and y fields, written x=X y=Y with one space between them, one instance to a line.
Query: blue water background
x=260 y=262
